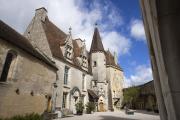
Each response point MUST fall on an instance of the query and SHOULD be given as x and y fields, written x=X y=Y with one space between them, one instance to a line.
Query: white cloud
x=120 y=44
x=142 y=74
x=66 y=13
x=18 y=13
x=137 y=30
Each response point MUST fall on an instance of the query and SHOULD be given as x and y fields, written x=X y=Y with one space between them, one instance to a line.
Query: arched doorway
x=102 y=104
x=75 y=96
x=101 y=107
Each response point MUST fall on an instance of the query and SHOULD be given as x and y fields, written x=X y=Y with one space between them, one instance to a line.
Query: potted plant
x=90 y=107
x=79 y=108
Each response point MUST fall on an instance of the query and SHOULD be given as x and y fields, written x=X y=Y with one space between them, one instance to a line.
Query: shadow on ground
x=115 y=118
x=146 y=112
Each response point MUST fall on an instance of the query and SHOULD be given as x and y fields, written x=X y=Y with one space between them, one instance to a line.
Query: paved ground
x=139 y=115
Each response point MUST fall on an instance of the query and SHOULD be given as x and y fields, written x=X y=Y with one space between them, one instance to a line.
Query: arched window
x=11 y=55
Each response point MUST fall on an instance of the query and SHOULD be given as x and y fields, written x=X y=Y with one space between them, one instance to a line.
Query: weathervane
x=70 y=30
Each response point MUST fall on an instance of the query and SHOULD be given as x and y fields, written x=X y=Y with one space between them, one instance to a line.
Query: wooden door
x=101 y=107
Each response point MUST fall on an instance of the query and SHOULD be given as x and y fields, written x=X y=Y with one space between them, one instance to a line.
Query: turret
x=98 y=59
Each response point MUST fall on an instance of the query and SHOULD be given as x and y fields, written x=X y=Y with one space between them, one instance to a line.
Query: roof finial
x=96 y=24
x=70 y=30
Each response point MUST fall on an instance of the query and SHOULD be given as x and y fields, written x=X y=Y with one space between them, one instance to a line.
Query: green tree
x=130 y=96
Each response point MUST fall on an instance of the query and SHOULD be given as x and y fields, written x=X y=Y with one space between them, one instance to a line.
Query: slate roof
x=10 y=35
x=76 y=49
x=110 y=60
x=96 y=42
x=56 y=38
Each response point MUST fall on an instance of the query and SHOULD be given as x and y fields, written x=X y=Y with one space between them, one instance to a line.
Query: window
x=66 y=71
x=83 y=81
x=7 y=65
x=68 y=53
x=95 y=64
x=64 y=100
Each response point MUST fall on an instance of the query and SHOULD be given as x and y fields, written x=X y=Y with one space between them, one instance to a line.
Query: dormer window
x=84 y=61
x=68 y=53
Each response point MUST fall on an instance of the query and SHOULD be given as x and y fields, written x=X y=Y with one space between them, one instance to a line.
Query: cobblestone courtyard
x=115 y=116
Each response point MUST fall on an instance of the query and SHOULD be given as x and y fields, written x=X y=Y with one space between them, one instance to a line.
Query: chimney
x=41 y=13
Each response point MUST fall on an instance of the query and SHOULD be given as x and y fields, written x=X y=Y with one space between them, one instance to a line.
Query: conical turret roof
x=96 y=42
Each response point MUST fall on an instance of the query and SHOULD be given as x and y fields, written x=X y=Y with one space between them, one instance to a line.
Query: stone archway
x=75 y=95
x=101 y=104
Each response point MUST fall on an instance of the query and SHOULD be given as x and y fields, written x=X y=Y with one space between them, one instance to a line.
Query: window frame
x=66 y=75
x=7 y=66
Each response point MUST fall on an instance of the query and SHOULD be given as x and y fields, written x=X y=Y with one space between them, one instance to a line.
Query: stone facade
x=115 y=78
x=79 y=70
x=59 y=67
x=29 y=81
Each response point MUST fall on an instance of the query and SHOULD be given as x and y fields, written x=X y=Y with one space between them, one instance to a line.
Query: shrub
x=79 y=107
x=90 y=106
x=32 y=116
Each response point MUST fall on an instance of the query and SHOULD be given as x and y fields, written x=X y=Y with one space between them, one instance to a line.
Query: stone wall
x=74 y=81
x=36 y=34
x=26 y=90
x=115 y=77
x=99 y=72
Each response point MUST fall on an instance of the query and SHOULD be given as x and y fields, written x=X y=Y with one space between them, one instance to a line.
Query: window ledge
x=84 y=90
x=4 y=83
x=66 y=86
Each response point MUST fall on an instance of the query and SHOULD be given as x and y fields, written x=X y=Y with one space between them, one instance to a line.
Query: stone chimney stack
x=36 y=34
x=115 y=58
x=41 y=13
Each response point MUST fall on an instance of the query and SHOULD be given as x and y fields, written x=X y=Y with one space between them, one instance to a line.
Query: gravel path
x=139 y=115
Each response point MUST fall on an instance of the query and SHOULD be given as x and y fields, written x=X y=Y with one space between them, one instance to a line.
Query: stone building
x=146 y=97
x=52 y=70
x=82 y=75
x=26 y=75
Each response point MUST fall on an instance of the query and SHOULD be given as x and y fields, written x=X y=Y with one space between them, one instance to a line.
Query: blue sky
x=119 y=22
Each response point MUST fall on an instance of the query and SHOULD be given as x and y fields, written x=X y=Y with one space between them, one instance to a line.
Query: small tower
x=98 y=64
x=98 y=59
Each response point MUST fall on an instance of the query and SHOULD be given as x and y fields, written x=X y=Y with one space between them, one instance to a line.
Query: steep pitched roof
x=76 y=49
x=55 y=37
x=10 y=35
x=96 y=42
x=110 y=60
